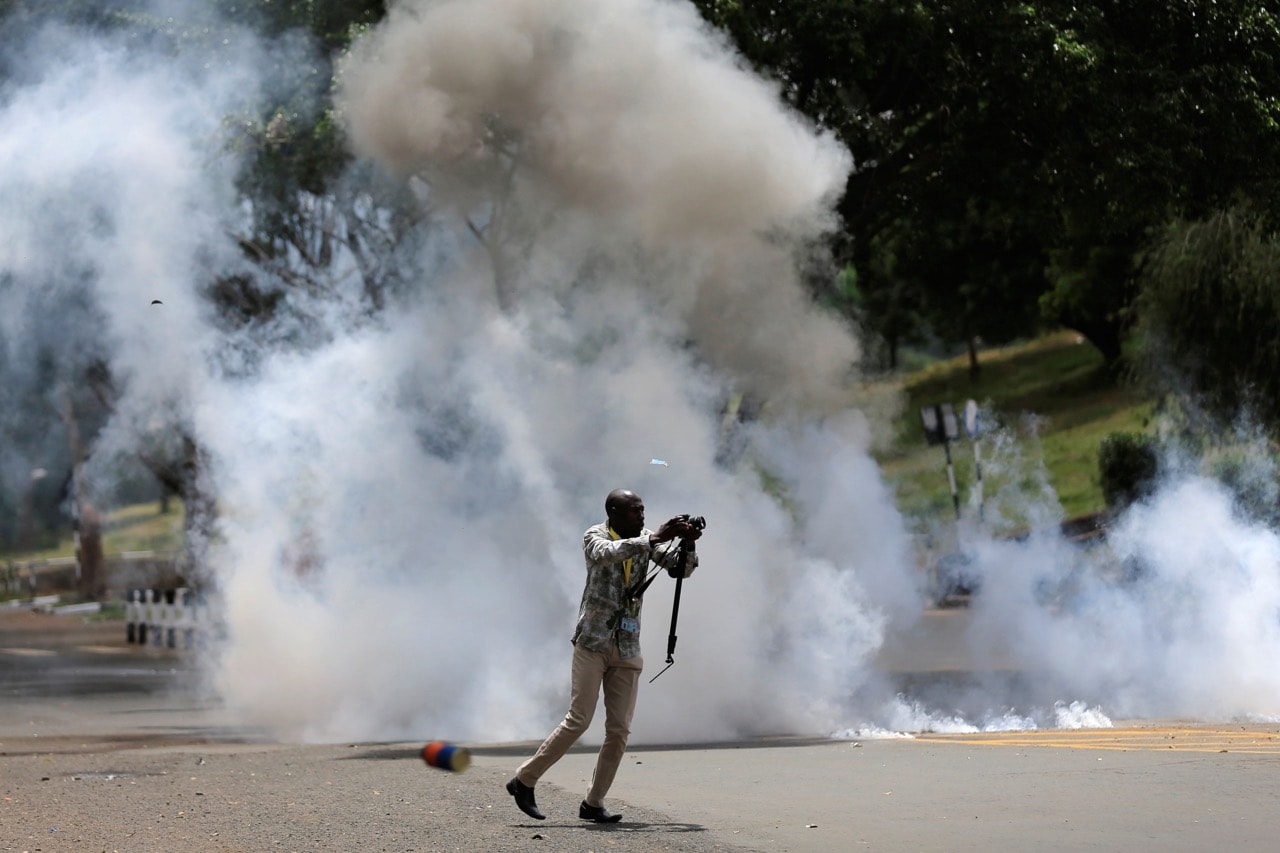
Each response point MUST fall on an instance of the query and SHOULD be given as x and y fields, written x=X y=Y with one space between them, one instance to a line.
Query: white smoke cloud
x=402 y=500
x=114 y=193
x=635 y=240
x=1175 y=613
x=1185 y=622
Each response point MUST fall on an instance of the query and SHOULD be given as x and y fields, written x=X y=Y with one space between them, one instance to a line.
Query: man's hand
x=672 y=528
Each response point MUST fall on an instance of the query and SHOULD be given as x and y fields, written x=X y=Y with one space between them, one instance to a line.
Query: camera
x=697 y=522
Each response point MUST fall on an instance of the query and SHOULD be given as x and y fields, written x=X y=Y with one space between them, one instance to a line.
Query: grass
x=112 y=611
x=143 y=527
x=140 y=527
x=1050 y=402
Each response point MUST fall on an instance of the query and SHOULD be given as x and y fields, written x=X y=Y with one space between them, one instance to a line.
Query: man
x=606 y=646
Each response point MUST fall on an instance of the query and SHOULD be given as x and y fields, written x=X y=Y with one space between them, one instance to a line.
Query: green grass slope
x=1050 y=403
x=141 y=527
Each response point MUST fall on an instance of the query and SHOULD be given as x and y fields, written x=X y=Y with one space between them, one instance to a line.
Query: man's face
x=627 y=518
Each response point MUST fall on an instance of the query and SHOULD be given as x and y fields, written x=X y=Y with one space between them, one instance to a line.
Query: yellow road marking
x=1257 y=740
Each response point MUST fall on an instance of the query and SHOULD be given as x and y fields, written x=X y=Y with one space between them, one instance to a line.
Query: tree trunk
x=1106 y=338
x=89 y=554
x=200 y=515
x=183 y=476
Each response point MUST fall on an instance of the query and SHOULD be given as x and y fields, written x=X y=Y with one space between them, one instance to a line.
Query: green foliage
x=886 y=314
x=1128 y=464
x=331 y=22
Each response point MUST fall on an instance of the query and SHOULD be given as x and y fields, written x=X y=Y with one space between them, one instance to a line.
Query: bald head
x=626 y=512
x=619 y=497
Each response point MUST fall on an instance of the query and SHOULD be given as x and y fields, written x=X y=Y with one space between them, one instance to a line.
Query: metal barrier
x=178 y=619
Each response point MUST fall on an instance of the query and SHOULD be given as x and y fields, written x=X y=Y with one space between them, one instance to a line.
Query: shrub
x=1127 y=465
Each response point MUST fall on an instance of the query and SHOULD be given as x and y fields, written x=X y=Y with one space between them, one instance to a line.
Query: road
x=110 y=747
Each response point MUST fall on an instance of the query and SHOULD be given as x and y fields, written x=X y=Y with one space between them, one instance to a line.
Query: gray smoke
x=624 y=130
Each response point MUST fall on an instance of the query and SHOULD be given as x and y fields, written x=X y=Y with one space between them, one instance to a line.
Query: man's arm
x=667 y=556
x=600 y=549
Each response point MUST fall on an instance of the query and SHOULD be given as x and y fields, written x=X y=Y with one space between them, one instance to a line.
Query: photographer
x=606 y=644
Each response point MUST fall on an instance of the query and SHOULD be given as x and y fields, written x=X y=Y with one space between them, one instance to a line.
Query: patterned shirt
x=606 y=614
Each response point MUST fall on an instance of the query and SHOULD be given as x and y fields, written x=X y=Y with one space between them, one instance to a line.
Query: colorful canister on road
x=446 y=756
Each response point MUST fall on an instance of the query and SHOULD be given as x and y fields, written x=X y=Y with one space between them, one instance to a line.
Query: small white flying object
x=659 y=462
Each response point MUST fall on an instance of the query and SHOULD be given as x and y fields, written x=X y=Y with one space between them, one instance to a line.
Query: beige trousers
x=620 y=678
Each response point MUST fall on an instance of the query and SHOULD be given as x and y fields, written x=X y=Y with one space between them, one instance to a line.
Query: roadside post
x=940 y=427
x=973 y=426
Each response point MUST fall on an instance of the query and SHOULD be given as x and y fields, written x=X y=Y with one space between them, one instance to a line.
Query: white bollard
x=133 y=615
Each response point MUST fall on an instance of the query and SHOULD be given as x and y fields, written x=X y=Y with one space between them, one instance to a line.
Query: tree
x=303 y=214
x=1076 y=129
x=1210 y=307
x=1171 y=115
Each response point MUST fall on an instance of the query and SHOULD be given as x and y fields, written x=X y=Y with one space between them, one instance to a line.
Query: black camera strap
x=636 y=590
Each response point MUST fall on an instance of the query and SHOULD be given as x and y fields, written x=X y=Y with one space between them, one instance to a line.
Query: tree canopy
x=1019 y=154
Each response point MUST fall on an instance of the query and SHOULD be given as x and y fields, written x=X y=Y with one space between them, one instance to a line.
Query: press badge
x=629 y=624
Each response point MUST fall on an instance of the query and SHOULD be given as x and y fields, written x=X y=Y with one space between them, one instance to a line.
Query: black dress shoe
x=599 y=814
x=524 y=799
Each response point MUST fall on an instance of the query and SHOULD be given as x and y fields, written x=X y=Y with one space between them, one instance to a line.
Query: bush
x=1128 y=463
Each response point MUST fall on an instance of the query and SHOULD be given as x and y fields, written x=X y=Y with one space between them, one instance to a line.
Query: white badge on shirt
x=629 y=624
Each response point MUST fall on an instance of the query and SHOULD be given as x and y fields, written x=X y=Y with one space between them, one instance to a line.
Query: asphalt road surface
x=104 y=746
